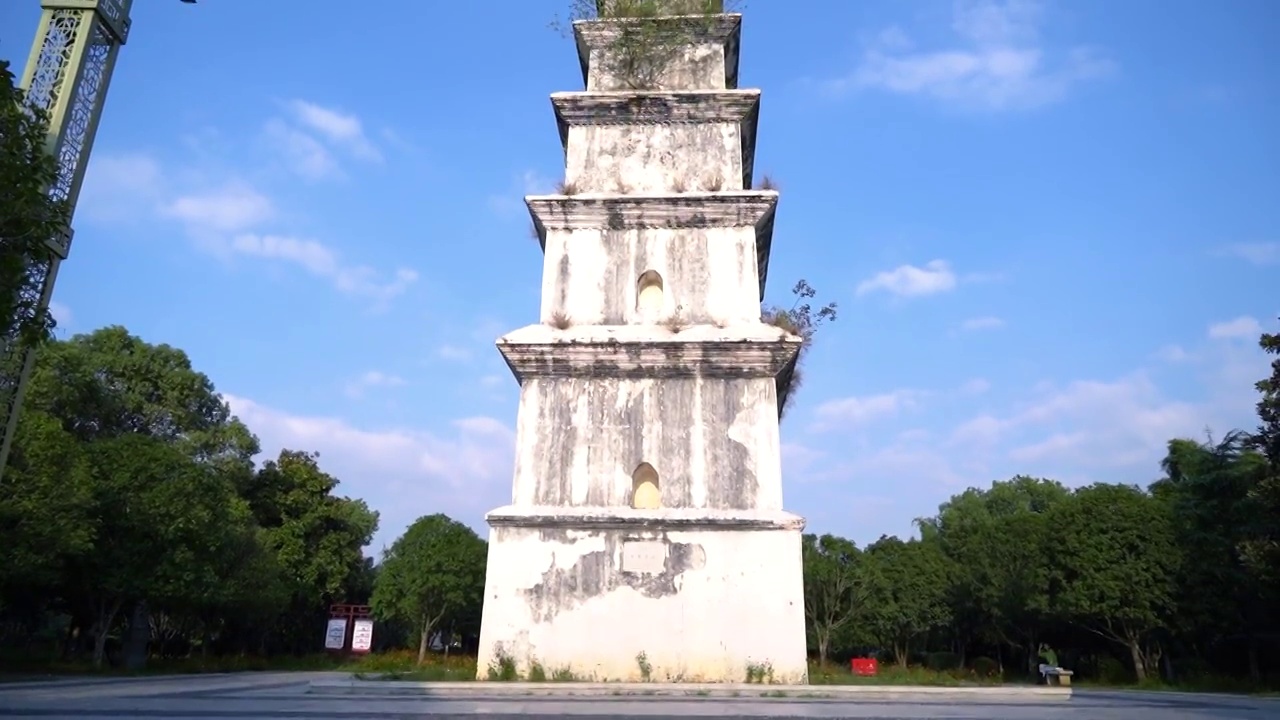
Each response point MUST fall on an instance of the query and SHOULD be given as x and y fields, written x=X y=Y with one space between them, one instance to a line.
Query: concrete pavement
x=254 y=696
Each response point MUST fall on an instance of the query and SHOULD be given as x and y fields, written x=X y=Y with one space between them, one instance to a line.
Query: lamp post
x=67 y=75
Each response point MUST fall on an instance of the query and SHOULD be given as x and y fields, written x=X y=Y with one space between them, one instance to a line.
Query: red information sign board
x=865 y=666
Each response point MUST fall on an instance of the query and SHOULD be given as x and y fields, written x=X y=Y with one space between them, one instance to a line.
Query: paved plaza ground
x=248 y=696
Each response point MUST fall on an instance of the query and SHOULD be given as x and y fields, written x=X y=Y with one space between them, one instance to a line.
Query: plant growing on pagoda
x=799 y=319
x=652 y=34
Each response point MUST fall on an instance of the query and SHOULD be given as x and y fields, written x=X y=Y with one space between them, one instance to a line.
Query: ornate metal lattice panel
x=54 y=61
x=85 y=103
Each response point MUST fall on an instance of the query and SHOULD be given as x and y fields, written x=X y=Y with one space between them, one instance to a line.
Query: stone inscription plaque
x=643 y=557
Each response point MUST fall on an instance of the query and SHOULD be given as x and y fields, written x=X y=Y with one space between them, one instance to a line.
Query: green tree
x=1114 y=574
x=109 y=384
x=30 y=216
x=1261 y=547
x=164 y=523
x=834 y=588
x=907 y=589
x=1210 y=488
x=316 y=537
x=1002 y=546
x=46 y=518
x=432 y=571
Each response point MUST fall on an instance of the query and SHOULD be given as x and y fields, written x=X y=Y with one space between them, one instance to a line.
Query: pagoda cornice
x=606 y=211
x=756 y=350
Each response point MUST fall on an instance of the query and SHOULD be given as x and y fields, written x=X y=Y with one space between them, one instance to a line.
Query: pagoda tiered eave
x=754 y=350
x=624 y=518
x=609 y=211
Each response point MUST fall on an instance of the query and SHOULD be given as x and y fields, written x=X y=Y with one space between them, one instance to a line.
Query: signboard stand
x=350 y=629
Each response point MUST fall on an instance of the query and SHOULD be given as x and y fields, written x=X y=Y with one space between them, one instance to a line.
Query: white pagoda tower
x=646 y=538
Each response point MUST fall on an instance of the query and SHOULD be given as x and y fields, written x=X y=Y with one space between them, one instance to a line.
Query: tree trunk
x=1139 y=663
x=102 y=626
x=99 y=649
x=900 y=650
x=422 y=642
x=824 y=640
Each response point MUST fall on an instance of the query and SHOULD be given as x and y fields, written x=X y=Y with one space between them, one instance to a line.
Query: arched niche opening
x=649 y=295
x=645 y=492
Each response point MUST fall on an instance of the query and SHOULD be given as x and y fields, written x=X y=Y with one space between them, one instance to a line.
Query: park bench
x=1058 y=676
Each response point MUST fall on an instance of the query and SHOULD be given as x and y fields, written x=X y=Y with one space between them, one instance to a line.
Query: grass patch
x=403 y=665
x=894 y=675
x=28 y=667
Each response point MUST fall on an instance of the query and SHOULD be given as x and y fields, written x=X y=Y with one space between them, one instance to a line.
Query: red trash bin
x=865 y=667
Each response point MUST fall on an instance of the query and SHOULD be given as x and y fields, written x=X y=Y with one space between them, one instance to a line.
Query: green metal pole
x=67 y=75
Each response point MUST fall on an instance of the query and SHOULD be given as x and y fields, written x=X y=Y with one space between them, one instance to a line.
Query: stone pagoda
x=645 y=539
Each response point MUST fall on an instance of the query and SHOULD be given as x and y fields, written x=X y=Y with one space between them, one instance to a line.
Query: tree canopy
x=132 y=503
x=432 y=576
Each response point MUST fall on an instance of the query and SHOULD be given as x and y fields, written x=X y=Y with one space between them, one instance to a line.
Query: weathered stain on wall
x=562 y=222
x=708 y=274
x=658 y=142
x=714 y=446
x=600 y=572
x=720 y=602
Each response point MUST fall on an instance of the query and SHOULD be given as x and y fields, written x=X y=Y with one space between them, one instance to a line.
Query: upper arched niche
x=645 y=491
x=649 y=291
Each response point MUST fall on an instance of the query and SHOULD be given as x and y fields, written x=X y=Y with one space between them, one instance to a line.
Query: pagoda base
x=644 y=595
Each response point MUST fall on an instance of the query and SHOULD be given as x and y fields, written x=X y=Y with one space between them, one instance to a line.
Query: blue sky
x=1050 y=229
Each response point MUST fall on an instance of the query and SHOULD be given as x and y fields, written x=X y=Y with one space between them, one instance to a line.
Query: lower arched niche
x=645 y=491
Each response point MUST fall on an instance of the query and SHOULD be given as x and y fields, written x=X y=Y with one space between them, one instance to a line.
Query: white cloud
x=1108 y=430
x=373 y=379
x=341 y=129
x=453 y=353
x=1128 y=413
x=852 y=412
x=234 y=207
x=308 y=138
x=998 y=64
x=1258 y=253
x=1243 y=327
x=982 y=323
x=403 y=474
x=304 y=154
x=322 y=261
x=911 y=281
x=1173 y=354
